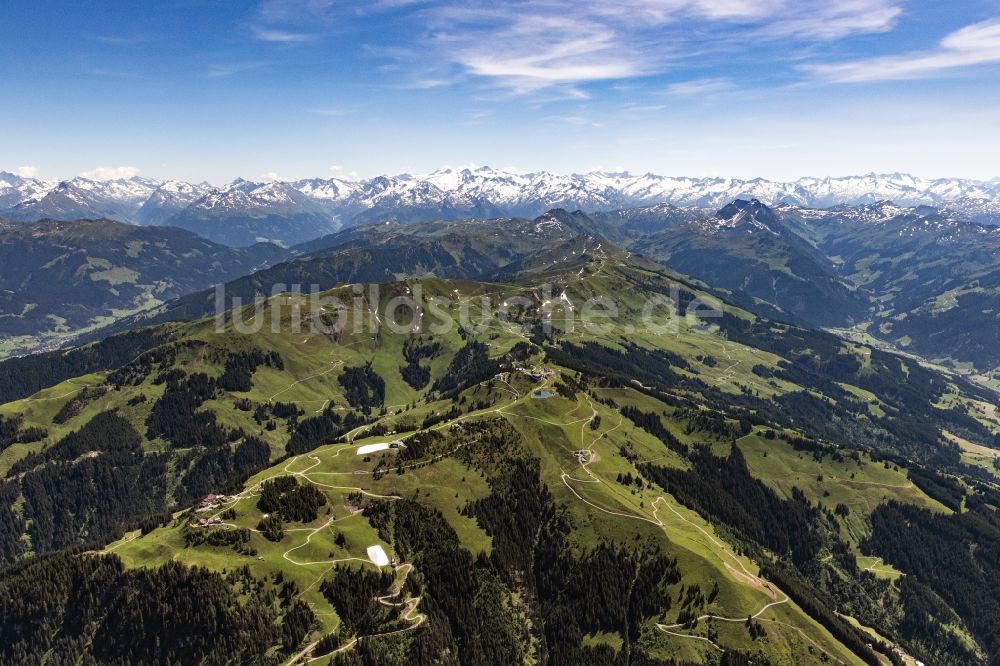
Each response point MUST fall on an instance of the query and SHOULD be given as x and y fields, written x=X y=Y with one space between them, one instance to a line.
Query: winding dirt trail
x=335 y=364
x=410 y=614
x=739 y=571
x=743 y=574
x=71 y=382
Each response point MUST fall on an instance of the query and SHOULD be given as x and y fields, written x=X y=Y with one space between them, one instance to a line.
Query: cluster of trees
x=470 y=365
x=65 y=608
x=693 y=601
x=139 y=368
x=651 y=423
x=799 y=591
x=926 y=625
x=298 y=620
x=363 y=387
x=521 y=352
x=609 y=588
x=627 y=479
x=220 y=468
x=175 y=416
x=954 y=558
x=819 y=450
x=75 y=405
x=107 y=431
x=236 y=538
x=945 y=489
x=74 y=498
x=712 y=422
x=239 y=369
x=487 y=443
x=649 y=367
x=322 y=429
x=723 y=490
x=11 y=432
x=271 y=527
x=97 y=482
x=266 y=411
x=353 y=593
x=293 y=501
x=11 y=524
x=469 y=620
x=565 y=390
x=755 y=629
x=415 y=350
x=435 y=418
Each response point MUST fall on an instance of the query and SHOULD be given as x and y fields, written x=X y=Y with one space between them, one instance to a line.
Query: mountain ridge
x=329 y=204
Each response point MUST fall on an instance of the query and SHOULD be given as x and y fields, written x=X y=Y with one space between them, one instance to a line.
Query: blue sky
x=295 y=88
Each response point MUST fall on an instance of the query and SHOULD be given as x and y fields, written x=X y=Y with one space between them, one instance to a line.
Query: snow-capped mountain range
x=245 y=211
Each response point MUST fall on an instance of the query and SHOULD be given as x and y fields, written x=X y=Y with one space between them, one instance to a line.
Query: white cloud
x=285 y=36
x=580 y=120
x=118 y=40
x=111 y=173
x=427 y=83
x=975 y=44
x=569 y=61
x=529 y=45
x=834 y=20
x=526 y=48
x=700 y=87
x=736 y=9
x=290 y=11
x=222 y=70
x=291 y=21
x=26 y=171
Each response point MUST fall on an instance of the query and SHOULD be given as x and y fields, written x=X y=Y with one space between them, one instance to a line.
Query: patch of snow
x=377 y=555
x=372 y=448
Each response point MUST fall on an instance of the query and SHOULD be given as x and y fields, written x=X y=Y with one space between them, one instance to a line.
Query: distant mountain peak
x=751 y=213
